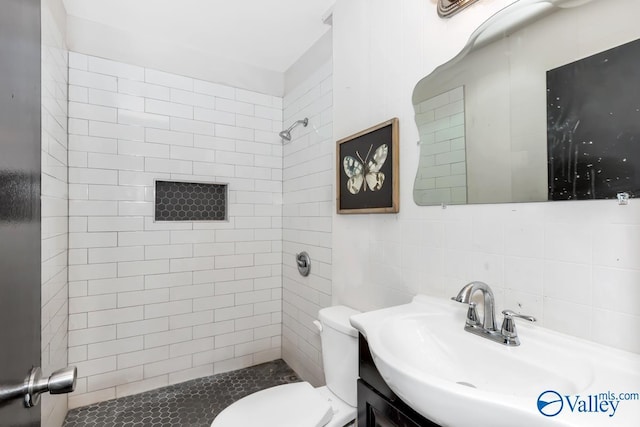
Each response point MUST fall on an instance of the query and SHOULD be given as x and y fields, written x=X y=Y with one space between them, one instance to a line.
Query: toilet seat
x=289 y=405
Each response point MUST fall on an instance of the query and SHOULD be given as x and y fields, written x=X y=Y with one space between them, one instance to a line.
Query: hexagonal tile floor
x=193 y=403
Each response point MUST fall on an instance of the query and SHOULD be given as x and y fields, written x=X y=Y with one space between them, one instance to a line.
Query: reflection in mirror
x=482 y=117
x=442 y=172
x=593 y=125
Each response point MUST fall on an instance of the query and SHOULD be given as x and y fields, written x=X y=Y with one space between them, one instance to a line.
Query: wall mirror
x=486 y=118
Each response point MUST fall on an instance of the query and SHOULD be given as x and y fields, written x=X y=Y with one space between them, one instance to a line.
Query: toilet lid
x=289 y=405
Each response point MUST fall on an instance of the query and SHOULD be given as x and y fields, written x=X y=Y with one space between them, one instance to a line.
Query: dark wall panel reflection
x=593 y=126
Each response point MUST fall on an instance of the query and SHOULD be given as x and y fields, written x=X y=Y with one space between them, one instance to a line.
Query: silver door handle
x=61 y=381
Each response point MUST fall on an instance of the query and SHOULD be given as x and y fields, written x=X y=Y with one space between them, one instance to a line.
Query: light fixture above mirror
x=448 y=8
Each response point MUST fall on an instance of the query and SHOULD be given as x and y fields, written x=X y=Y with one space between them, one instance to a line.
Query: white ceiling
x=268 y=34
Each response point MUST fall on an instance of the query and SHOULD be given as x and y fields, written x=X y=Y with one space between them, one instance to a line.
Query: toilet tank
x=340 y=352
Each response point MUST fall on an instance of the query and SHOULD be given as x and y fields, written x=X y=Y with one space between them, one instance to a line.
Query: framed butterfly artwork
x=367 y=175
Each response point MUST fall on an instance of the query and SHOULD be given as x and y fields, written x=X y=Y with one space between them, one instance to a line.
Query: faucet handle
x=472 y=315
x=511 y=313
x=508 y=329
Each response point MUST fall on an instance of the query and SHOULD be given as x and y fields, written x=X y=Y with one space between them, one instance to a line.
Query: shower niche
x=190 y=201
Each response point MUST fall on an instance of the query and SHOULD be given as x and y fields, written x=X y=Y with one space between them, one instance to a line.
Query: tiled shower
x=153 y=302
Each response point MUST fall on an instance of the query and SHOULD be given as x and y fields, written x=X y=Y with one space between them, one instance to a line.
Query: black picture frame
x=367 y=174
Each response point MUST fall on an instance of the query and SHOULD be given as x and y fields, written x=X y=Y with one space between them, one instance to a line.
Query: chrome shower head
x=286 y=134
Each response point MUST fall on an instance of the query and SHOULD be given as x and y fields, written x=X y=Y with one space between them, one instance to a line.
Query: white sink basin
x=456 y=378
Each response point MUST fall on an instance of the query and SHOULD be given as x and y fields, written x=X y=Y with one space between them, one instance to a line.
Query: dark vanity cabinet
x=378 y=406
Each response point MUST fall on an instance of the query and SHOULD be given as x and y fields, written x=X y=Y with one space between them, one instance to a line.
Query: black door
x=19 y=201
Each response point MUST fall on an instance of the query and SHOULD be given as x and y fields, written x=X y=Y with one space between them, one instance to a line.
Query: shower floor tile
x=193 y=403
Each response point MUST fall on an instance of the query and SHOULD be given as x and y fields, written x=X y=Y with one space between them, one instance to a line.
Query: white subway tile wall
x=308 y=176
x=155 y=303
x=54 y=200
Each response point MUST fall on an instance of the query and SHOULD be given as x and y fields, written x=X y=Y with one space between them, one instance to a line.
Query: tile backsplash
x=154 y=303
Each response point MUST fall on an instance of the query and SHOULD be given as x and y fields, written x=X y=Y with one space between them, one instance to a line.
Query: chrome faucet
x=464 y=296
x=507 y=334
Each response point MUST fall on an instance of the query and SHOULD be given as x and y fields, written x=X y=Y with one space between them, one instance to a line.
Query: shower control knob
x=303 y=260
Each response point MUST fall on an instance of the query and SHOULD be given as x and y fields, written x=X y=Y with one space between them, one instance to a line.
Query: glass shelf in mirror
x=484 y=117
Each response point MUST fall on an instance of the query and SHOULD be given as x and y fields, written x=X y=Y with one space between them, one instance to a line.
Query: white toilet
x=299 y=404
